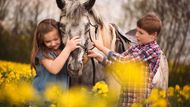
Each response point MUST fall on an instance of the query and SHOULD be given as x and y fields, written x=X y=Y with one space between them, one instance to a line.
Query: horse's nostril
x=75 y=67
x=69 y=66
x=81 y=65
x=80 y=69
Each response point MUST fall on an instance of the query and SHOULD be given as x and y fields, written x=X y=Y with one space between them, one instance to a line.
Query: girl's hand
x=73 y=43
x=93 y=54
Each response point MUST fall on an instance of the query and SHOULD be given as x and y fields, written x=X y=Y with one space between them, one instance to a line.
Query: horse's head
x=75 y=21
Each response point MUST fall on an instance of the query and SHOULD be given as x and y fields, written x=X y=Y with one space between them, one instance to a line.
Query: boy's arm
x=129 y=55
x=113 y=56
x=99 y=45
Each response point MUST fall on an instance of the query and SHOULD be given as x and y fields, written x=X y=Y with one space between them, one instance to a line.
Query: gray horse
x=79 y=19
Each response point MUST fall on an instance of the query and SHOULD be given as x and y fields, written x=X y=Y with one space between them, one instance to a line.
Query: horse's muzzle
x=74 y=69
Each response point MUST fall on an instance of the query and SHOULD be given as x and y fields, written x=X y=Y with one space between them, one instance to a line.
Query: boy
x=147 y=50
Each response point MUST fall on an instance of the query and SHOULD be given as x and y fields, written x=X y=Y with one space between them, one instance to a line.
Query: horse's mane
x=98 y=20
x=106 y=34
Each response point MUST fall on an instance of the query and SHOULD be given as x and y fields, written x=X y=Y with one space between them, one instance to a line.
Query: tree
x=26 y=15
x=16 y=41
x=3 y=9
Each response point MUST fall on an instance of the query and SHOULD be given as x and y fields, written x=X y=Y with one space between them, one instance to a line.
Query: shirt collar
x=149 y=44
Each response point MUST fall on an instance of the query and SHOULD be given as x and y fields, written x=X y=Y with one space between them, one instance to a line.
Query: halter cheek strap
x=61 y=29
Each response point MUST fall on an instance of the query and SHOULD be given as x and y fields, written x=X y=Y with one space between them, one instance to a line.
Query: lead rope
x=92 y=59
x=94 y=72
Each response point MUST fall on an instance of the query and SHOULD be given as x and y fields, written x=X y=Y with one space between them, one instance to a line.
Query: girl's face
x=52 y=40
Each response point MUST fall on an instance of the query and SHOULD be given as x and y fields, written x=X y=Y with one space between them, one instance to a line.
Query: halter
x=90 y=36
x=86 y=43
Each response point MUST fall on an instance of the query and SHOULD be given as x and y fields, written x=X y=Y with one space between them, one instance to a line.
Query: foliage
x=179 y=96
x=15 y=84
x=180 y=75
x=14 y=48
x=12 y=72
x=16 y=90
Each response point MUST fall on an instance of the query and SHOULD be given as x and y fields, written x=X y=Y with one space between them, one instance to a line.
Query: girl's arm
x=54 y=66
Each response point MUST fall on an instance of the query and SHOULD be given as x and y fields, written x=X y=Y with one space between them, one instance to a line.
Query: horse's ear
x=89 y=4
x=60 y=4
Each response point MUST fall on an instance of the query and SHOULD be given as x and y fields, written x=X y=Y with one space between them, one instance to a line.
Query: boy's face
x=144 y=37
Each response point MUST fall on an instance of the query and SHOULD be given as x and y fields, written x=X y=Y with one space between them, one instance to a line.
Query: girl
x=48 y=56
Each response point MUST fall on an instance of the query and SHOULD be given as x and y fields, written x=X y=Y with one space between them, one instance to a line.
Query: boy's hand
x=93 y=54
x=97 y=43
x=73 y=43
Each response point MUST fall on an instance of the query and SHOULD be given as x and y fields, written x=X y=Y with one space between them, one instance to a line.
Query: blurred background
x=18 y=19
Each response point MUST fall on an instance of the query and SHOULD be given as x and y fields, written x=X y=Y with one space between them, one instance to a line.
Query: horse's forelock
x=74 y=9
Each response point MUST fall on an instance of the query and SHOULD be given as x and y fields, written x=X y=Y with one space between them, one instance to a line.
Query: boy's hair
x=150 y=23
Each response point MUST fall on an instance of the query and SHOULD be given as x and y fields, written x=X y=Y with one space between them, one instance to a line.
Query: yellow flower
x=170 y=91
x=162 y=93
x=14 y=72
x=100 y=88
x=1 y=95
x=185 y=92
x=19 y=93
x=160 y=103
x=186 y=88
x=52 y=105
x=98 y=103
x=130 y=74
x=137 y=105
x=154 y=96
x=74 y=98
x=12 y=75
x=27 y=92
x=52 y=92
x=177 y=87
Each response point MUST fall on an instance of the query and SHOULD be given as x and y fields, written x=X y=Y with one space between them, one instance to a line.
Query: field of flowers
x=16 y=91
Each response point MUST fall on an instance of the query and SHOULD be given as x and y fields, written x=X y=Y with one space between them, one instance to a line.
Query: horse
x=79 y=19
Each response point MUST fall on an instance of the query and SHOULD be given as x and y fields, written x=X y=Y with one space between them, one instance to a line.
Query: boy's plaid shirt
x=150 y=54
